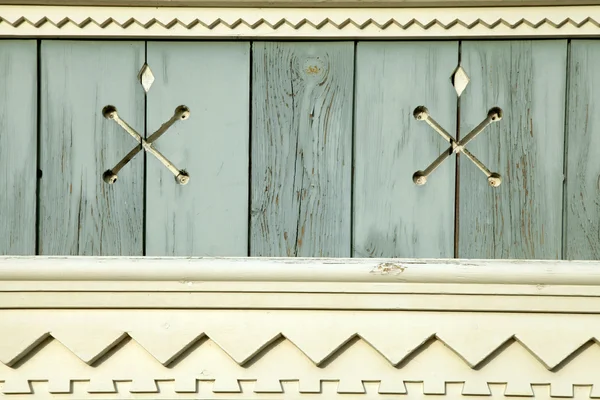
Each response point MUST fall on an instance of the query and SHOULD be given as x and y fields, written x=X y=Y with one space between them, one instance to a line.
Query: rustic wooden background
x=300 y=149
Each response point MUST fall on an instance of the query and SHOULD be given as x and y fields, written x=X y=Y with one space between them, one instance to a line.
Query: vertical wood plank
x=209 y=215
x=523 y=217
x=79 y=213
x=18 y=146
x=582 y=208
x=302 y=95
x=392 y=216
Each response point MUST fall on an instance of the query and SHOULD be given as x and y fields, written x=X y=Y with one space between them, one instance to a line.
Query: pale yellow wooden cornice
x=169 y=329
x=305 y=3
x=299 y=23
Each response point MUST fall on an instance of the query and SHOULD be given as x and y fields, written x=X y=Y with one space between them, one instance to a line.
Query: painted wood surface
x=18 y=146
x=305 y=3
x=302 y=95
x=79 y=213
x=582 y=200
x=209 y=215
x=392 y=216
x=523 y=217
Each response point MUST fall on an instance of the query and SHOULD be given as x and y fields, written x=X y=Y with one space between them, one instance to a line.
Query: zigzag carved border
x=65 y=21
x=85 y=347
x=167 y=336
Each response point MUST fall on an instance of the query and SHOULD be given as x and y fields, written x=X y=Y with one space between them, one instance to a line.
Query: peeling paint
x=388 y=268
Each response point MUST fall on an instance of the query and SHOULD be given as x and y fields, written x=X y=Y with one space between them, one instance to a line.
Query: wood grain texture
x=523 y=217
x=209 y=215
x=18 y=146
x=79 y=213
x=392 y=216
x=582 y=207
x=306 y=3
x=302 y=96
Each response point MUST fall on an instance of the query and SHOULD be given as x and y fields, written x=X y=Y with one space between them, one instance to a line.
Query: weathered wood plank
x=18 y=146
x=302 y=97
x=209 y=215
x=523 y=217
x=79 y=213
x=582 y=207
x=392 y=216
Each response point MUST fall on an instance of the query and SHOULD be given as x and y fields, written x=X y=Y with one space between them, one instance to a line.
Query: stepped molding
x=187 y=328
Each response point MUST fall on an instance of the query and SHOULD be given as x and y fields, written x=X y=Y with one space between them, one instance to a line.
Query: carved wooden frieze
x=262 y=20
x=85 y=328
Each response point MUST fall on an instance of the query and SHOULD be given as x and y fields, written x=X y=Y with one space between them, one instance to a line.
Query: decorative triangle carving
x=243 y=347
x=319 y=346
x=165 y=346
x=88 y=344
x=552 y=349
x=19 y=342
x=242 y=343
x=393 y=345
x=473 y=346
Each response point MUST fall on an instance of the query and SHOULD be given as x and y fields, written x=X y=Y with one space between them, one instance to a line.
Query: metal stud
x=181 y=113
x=422 y=114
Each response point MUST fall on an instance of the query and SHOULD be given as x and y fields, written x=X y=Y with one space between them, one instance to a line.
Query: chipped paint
x=388 y=268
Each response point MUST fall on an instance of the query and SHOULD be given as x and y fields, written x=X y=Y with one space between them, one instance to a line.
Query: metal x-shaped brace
x=422 y=114
x=181 y=113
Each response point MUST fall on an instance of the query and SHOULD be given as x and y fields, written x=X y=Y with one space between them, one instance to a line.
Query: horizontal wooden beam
x=146 y=23
x=304 y=3
x=300 y=284
x=340 y=270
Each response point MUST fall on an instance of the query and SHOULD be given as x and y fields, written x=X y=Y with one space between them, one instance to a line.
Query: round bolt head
x=421 y=113
x=495 y=114
x=182 y=112
x=109 y=112
x=419 y=178
x=495 y=180
x=109 y=177
x=183 y=178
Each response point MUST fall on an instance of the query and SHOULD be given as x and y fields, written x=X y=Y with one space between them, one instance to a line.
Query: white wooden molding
x=113 y=328
x=298 y=23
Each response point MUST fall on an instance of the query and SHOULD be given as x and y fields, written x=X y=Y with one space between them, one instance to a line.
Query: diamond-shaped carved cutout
x=459 y=80
x=146 y=77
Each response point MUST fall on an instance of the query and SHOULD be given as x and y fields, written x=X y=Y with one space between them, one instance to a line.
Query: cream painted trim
x=131 y=328
x=305 y=3
x=298 y=23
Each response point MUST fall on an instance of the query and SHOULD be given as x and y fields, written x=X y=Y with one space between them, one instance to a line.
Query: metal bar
x=422 y=114
x=181 y=113
x=495 y=114
x=127 y=128
x=436 y=127
x=476 y=161
x=420 y=177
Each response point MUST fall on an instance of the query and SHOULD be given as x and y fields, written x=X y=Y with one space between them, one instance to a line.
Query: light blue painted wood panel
x=523 y=217
x=582 y=207
x=392 y=216
x=18 y=146
x=79 y=213
x=302 y=95
x=209 y=215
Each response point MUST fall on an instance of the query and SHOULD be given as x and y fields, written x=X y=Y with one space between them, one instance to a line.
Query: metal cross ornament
x=181 y=113
x=422 y=114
